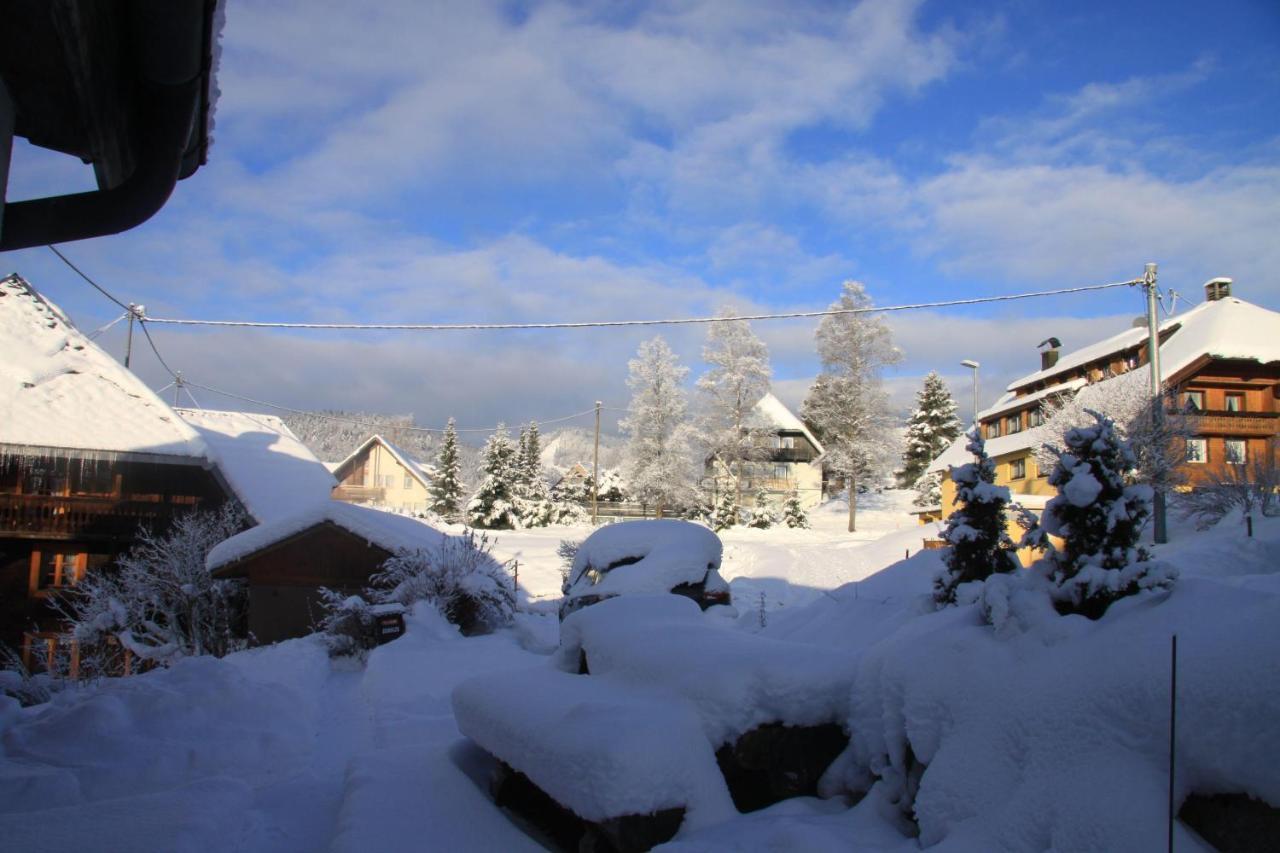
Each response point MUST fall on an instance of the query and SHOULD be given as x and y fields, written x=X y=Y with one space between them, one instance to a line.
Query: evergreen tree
x=1099 y=518
x=494 y=505
x=446 y=486
x=533 y=498
x=737 y=378
x=977 y=531
x=847 y=405
x=928 y=490
x=762 y=517
x=659 y=461
x=931 y=429
x=725 y=514
x=793 y=513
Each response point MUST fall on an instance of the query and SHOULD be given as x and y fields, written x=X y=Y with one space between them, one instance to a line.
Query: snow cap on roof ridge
x=776 y=414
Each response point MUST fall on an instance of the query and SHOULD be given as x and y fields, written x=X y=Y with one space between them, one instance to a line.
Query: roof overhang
x=126 y=86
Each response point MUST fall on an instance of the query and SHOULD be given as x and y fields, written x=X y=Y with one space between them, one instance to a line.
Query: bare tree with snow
x=737 y=378
x=658 y=457
x=847 y=403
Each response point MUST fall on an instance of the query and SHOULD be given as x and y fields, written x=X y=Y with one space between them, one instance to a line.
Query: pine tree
x=446 y=486
x=762 y=517
x=659 y=460
x=928 y=491
x=793 y=513
x=847 y=405
x=1100 y=519
x=931 y=429
x=977 y=531
x=533 y=498
x=737 y=378
x=493 y=506
x=725 y=514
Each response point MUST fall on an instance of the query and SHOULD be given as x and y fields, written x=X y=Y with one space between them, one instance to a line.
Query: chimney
x=1049 y=357
x=1139 y=322
x=1217 y=288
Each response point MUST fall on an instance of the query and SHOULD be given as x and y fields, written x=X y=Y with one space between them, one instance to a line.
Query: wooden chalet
x=383 y=474
x=789 y=462
x=88 y=454
x=1221 y=359
x=333 y=544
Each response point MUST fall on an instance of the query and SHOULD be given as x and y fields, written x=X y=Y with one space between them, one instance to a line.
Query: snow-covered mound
x=598 y=747
x=736 y=680
x=646 y=556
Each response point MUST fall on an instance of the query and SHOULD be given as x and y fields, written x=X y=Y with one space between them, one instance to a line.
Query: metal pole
x=177 y=387
x=1160 y=531
x=595 y=472
x=128 y=342
x=975 y=396
x=1173 y=724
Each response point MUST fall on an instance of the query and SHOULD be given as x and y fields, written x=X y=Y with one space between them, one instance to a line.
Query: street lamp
x=973 y=365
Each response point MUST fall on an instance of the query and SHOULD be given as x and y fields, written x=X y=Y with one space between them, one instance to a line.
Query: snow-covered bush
x=725 y=514
x=762 y=515
x=978 y=543
x=1249 y=488
x=460 y=577
x=345 y=622
x=1099 y=518
x=793 y=513
x=19 y=682
x=567 y=550
x=159 y=601
x=928 y=491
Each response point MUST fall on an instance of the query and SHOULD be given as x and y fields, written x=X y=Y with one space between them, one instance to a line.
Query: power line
x=98 y=331
x=597 y=324
x=159 y=357
x=96 y=286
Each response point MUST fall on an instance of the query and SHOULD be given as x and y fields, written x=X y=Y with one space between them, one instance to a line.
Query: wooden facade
x=67 y=513
x=285 y=577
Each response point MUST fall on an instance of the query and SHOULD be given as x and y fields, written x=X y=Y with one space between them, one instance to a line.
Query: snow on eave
x=390 y=531
x=776 y=414
x=60 y=389
x=270 y=470
x=1009 y=403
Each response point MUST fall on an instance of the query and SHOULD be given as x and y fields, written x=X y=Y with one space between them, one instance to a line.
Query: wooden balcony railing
x=1243 y=424
x=360 y=494
x=59 y=517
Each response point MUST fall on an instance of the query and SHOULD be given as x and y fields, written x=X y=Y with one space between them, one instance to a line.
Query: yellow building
x=382 y=474
x=1222 y=358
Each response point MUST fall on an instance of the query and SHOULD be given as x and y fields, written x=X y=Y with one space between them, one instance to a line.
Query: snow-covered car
x=663 y=555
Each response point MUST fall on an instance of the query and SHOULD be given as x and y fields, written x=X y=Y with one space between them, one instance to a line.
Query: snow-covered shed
x=272 y=473
x=328 y=544
x=381 y=473
x=87 y=454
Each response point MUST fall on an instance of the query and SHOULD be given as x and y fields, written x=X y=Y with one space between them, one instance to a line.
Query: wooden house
x=88 y=454
x=331 y=544
x=1221 y=359
x=790 y=460
x=381 y=474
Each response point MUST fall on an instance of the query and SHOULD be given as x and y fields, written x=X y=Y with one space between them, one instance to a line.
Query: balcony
x=1235 y=424
x=359 y=494
x=78 y=517
x=791 y=454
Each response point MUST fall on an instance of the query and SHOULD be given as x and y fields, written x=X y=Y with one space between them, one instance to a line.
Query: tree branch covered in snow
x=659 y=457
x=736 y=380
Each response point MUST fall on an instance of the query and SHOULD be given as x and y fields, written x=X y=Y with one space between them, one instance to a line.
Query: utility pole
x=1161 y=534
x=177 y=387
x=139 y=313
x=595 y=472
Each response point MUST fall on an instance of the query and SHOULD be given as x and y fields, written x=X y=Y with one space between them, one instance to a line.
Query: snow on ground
x=1048 y=736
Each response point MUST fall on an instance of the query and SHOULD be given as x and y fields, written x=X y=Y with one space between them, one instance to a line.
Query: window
x=789 y=442
x=51 y=570
x=993 y=429
x=781 y=472
x=408 y=481
x=1197 y=450
x=1131 y=361
x=1035 y=417
x=1235 y=451
x=1235 y=402
x=1193 y=401
x=1018 y=469
x=1013 y=424
x=388 y=481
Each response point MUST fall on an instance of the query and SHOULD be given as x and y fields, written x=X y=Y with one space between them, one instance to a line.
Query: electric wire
x=671 y=321
x=98 y=331
x=96 y=286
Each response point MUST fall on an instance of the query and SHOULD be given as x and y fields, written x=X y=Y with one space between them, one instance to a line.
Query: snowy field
x=1050 y=734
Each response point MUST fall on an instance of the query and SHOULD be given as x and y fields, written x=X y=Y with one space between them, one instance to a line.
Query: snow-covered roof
x=420 y=470
x=1220 y=328
x=58 y=389
x=387 y=530
x=1008 y=402
x=773 y=412
x=270 y=470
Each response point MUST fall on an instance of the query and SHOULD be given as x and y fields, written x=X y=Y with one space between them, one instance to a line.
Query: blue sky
x=544 y=161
